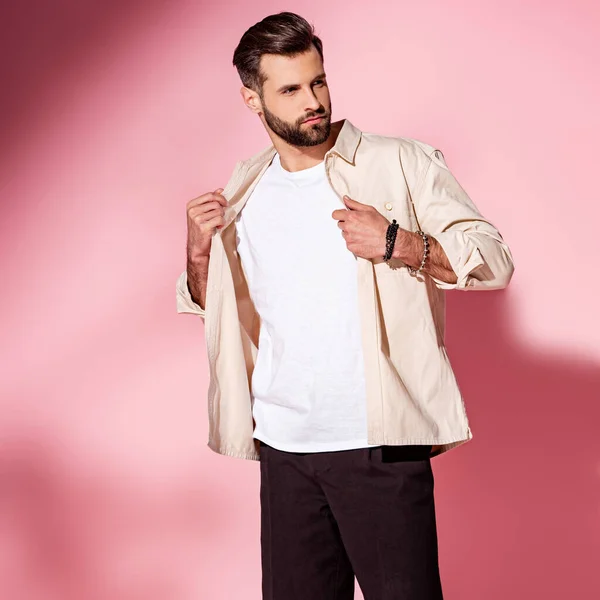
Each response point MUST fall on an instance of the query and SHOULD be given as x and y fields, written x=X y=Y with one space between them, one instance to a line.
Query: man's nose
x=312 y=102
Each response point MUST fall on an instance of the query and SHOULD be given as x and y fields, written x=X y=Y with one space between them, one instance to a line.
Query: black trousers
x=328 y=516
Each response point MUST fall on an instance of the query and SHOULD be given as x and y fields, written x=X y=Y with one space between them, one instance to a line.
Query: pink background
x=116 y=113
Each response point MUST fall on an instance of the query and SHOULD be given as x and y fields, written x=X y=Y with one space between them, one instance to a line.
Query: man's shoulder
x=408 y=147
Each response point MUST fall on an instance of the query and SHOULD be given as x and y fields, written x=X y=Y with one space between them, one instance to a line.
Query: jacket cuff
x=185 y=304
x=464 y=257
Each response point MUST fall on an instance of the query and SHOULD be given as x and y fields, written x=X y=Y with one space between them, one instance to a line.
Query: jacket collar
x=347 y=141
x=345 y=145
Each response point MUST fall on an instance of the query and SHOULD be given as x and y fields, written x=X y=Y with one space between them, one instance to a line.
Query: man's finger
x=221 y=198
x=216 y=222
x=210 y=196
x=355 y=204
x=340 y=214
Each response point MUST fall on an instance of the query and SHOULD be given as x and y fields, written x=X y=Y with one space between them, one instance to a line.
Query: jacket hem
x=234 y=452
x=445 y=445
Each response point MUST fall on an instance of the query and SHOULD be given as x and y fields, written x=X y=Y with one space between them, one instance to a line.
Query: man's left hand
x=363 y=228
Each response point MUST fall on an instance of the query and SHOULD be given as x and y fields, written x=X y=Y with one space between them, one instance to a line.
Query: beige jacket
x=412 y=394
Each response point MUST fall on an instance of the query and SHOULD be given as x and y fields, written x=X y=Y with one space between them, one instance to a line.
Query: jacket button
x=388 y=205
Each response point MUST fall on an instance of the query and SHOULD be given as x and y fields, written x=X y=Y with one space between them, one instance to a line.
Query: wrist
x=197 y=259
x=402 y=244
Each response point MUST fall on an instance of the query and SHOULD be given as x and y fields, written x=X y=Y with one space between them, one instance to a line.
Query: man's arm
x=409 y=248
x=466 y=251
x=205 y=215
x=185 y=302
x=197 y=276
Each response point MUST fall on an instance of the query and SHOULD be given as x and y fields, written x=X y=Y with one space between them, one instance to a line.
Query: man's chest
x=286 y=232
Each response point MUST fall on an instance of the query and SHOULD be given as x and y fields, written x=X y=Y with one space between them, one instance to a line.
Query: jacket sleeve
x=476 y=250
x=185 y=304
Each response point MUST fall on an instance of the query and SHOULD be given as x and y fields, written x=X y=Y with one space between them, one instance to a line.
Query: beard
x=298 y=134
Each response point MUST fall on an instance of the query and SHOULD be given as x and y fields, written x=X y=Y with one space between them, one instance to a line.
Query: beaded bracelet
x=390 y=239
x=425 y=237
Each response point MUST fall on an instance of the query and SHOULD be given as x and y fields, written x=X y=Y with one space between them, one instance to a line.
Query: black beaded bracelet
x=390 y=239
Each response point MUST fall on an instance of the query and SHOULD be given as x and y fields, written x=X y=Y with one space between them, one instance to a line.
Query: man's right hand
x=205 y=215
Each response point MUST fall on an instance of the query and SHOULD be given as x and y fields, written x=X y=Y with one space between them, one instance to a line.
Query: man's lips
x=313 y=120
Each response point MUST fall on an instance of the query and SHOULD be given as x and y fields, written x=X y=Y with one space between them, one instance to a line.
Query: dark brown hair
x=284 y=33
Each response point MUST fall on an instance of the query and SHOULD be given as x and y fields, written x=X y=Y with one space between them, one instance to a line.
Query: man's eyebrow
x=291 y=85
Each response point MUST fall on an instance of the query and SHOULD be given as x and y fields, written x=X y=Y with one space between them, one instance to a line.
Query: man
x=319 y=272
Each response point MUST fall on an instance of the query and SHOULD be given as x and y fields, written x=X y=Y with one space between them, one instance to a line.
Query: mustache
x=322 y=113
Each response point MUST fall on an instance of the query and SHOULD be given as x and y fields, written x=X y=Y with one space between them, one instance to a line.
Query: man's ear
x=251 y=99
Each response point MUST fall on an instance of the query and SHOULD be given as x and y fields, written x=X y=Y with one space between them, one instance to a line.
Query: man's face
x=296 y=90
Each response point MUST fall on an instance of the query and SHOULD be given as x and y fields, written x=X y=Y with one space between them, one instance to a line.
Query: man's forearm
x=409 y=249
x=197 y=276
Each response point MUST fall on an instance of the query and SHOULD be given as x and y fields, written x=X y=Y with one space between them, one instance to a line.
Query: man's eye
x=289 y=90
x=319 y=81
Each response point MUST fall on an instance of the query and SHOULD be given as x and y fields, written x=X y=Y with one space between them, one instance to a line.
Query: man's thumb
x=219 y=190
x=352 y=204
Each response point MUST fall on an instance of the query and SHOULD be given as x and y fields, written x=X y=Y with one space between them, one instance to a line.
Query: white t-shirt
x=308 y=384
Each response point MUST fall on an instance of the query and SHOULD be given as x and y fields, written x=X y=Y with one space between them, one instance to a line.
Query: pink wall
x=117 y=113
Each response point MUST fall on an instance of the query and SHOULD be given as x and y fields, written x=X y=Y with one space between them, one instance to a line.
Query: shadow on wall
x=69 y=531
x=519 y=505
x=45 y=45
